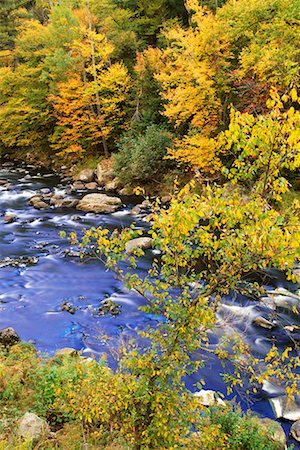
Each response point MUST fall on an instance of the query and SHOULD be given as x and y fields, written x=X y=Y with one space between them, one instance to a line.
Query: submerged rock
x=141 y=242
x=9 y=337
x=33 y=427
x=109 y=307
x=9 y=218
x=22 y=261
x=99 y=203
x=295 y=430
x=68 y=307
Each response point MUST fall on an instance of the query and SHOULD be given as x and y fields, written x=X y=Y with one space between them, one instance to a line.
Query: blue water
x=30 y=297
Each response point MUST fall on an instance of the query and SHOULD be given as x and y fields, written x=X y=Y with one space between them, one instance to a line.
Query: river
x=31 y=297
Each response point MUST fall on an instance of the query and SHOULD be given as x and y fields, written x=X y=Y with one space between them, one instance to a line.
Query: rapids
x=31 y=296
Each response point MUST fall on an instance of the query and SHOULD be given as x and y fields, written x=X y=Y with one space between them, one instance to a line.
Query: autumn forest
x=149 y=224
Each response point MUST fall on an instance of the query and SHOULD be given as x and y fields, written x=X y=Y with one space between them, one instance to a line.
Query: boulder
x=275 y=432
x=78 y=185
x=104 y=172
x=63 y=202
x=33 y=427
x=295 y=430
x=112 y=185
x=93 y=185
x=141 y=242
x=99 y=203
x=264 y=323
x=108 y=306
x=205 y=397
x=9 y=218
x=285 y=407
x=37 y=202
x=85 y=176
x=9 y=337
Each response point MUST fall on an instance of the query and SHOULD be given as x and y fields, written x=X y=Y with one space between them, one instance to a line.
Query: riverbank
x=69 y=402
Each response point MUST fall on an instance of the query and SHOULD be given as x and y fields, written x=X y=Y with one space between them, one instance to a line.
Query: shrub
x=141 y=157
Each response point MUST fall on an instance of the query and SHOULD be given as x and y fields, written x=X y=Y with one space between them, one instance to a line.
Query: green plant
x=141 y=157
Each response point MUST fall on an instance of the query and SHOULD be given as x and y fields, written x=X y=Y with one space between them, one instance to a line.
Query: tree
x=88 y=106
x=209 y=244
x=265 y=146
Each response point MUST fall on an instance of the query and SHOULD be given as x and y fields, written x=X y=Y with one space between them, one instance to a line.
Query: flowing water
x=31 y=296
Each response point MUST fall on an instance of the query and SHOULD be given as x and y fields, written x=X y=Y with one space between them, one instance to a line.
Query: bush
x=230 y=429
x=141 y=157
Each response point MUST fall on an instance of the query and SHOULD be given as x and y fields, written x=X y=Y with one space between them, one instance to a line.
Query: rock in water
x=9 y=218
x=99 y=203
x=109 y=307
x=264 y=323
x=285 y=407
x=23 y=261
x=33 y=427
x=276 y=433
x=207 y=397
x=141 y=242
x=68 y=307
x=86 y=176
x=295 y=430
x=9 y=337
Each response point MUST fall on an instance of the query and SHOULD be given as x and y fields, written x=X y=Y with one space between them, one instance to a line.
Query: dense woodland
x=81 y=79
x=172 y=91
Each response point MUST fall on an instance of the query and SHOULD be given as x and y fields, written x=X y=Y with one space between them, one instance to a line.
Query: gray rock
x=104 y=173
x=136 y=210
x=78 y=185
x=141 y=242
x=285 y=407
x=63 y=202
x=295 y=430
x=22 y=261
x=112 y=185
x=99 y=203
x=207 y=397
x=33 y=427
x=37 y=202
x=9 y=337
x=108 y=306
x=275 y=432
x=68 y=307
x=91 y=186
x=86 y=176
x=9 y=218
x=264 y=323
